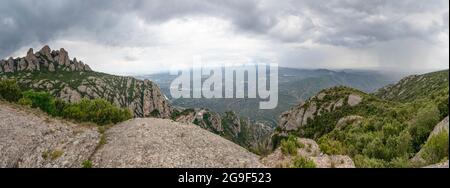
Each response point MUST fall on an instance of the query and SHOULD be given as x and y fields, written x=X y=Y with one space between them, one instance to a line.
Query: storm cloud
x=305 y=34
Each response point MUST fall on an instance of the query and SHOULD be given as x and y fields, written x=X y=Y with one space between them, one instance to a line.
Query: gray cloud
x=345 y=23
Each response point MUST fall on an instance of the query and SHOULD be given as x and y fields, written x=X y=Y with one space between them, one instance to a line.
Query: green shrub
x=52 y=154
x=206 y=119
x=400 y=162
x=443 y=108
x=10 y=91
x=41 y=100
x=423 y=124
x=196 y=121
x=366 y=162
x=436 y=148
x=303 y=162
x=25 y=102
x=98 y=111
x=155 y=113
x=289 y=146
x=86 y=164
x=331 y=147
x=60 y=105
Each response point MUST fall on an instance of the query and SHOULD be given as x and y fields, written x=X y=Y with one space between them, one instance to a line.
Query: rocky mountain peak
x=46 y=52
x=43 y=60
x=30 y=52
x=73 y=80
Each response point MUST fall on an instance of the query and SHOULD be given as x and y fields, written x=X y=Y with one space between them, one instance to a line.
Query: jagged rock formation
x=38 y=141
x=164 y=143
x=311 y=151
x=29 y=138
x=72 y=80
x=45 y=59
x=242 y=131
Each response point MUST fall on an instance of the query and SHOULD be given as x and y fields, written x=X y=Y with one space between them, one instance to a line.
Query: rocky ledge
x=163 y=143
x=29 y=138
x=309 y=150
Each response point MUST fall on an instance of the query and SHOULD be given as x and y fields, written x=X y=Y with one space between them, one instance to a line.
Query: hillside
x=295 y=85
x=72 y=80
x=375 y=132
x=29 y=138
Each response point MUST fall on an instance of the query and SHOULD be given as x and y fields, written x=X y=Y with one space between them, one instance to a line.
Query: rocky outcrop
x=348 y=120
x=72 y=80
x=439 y=165
x=202 y=117
x=164 y=143
x=37 y=141
x=31 y=139
x=45 y=60
x=252 y=135
x=440 y=127
x=310 y=150
x=326 y=101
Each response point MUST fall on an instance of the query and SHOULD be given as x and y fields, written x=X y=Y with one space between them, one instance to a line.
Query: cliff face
x=251 y=135
x=72 y=80
x=326 y=101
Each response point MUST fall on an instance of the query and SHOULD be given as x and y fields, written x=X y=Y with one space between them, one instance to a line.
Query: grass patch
x=52 y=154
x=303 y=162
x=86 y=164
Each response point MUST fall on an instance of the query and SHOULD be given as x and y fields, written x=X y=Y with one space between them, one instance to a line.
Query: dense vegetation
x=9 y=90
x=433 y=150
x=97 y=111
x=290 y=145
x=389 y=132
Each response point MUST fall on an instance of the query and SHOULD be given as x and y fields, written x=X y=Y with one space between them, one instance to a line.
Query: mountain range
x=325 y=119
x=295 y=85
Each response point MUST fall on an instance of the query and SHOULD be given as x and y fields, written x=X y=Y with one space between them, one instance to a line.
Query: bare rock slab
x=37 y=141
x=162 y=143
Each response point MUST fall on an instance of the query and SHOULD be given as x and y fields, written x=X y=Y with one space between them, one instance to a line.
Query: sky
x=147 y=36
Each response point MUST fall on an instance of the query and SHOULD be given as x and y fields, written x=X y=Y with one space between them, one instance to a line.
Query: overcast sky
x=142 y=36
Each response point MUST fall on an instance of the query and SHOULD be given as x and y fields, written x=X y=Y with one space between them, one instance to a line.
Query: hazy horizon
x=144 y=37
